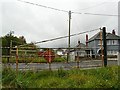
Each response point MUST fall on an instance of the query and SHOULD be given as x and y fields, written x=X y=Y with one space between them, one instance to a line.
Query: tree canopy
x=10 y=40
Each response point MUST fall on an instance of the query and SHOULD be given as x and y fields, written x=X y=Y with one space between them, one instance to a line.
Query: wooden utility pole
x=69 y=36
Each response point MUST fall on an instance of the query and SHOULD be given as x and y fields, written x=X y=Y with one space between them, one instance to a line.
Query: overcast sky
x=38 y=23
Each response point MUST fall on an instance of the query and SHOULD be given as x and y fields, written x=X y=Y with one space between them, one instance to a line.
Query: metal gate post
x=16 y=59
x=49 y=59
x=77 y=60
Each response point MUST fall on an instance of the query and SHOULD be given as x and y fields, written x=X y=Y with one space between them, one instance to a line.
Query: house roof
x=81 y=45
x=112 y=36
x=109 y=36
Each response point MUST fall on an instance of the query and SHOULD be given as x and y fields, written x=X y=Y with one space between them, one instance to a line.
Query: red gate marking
x=49 y=55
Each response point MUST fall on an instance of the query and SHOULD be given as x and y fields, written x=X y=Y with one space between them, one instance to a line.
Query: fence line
x=30 y=56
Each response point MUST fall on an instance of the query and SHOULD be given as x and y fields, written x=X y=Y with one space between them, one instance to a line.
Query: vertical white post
x=119 y=32
x=118 y=58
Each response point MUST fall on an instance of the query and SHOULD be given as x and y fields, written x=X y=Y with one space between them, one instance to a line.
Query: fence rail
x=29 y=57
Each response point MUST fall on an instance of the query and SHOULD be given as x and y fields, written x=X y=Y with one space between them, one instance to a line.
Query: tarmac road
x=66 y=66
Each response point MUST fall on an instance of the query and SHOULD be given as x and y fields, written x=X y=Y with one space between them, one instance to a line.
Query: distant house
x=78 y=52
x=61 y=52
x=113 y=43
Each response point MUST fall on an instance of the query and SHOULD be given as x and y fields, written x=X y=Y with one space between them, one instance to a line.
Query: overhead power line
x=101 y=14
x=43 y=6
x=66 y=36
x=66 y=10
x=61 y=37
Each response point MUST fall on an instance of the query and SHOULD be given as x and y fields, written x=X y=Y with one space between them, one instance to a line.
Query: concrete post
x=118 y=53
x=118 y=58
x=119 y=32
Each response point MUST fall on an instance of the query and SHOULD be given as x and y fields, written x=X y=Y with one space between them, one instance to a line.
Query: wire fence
x=29 y=58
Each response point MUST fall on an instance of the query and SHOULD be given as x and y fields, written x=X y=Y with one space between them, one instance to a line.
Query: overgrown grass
x=75 y=78
x=32 y=59
x=0 y=75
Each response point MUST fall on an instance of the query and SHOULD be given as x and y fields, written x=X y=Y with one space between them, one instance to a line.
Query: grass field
x=75 y=78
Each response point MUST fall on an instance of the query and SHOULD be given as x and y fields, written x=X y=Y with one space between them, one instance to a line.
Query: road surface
x=66 y=66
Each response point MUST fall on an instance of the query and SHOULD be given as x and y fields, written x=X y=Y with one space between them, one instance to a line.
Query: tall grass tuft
x=75 y=78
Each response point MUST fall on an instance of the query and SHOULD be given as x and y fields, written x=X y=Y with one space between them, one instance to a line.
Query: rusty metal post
x=16 y=59
x=102 y=56
x=49 y=60
x=10 y=48
x=77 y=60
x=50 y=66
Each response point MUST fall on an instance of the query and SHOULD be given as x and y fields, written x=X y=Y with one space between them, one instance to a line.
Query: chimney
x=86 y=40
x=113 y=31
x=78 y=42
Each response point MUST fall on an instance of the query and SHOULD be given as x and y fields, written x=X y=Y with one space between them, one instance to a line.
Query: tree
x=8 y=39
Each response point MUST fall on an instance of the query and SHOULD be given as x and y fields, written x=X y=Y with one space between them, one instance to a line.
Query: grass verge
x=75 y=78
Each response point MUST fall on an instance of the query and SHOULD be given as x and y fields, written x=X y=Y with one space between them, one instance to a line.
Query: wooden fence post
x=16 y=59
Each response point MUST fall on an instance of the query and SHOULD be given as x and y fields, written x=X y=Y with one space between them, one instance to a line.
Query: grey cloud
x=38 y=24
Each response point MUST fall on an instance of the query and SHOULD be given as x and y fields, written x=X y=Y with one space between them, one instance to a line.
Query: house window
x=112 y=52
x=114 y=42
x=108 y=42
x=115 y=52
x=108 y=52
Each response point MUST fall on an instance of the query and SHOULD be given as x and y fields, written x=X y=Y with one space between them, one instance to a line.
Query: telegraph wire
x=76 y=12
x=66 y=10
x=66 y=36
x=44 y=6
x=97 y=14
x=101 y=14
x=61 y=37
